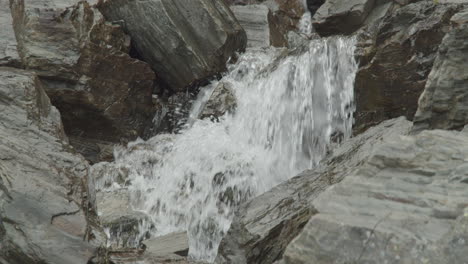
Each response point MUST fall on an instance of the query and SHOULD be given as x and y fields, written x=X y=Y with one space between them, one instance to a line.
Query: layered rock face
x=264 y=226
x=341 y=17
x=407 y=204
x=8 y=51
x=444 y=102
x=395 y=66
x=102 y=92
x=259 y=25
x=42 y=183
x=187 y=54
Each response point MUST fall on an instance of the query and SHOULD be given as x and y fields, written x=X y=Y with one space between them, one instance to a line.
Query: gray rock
x=184 y=41
x=42 y=183
x=258 y=23
x=125 y=226
x=395 y=64
x=264 y=226
x=8 y=51
x=406 y=204
x=444 y=102
x=341 y=16
x=174 y=243
x=221 y=101
x=102 y=92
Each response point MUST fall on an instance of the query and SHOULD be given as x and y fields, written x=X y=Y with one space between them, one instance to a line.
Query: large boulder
x=102 y=92
x=406 y=204
x=184 y=41
x=341 y=16
x=42 y=185
x=264 y=226
x=259 y=25
x=8 y=52
x=444 y=102
x=394 y=70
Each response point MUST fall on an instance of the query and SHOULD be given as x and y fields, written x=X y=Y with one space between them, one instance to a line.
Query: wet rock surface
x=221 y=101
x=444 y=102
x=341 y=17
x=394 y=68
x=407 y=202
x=102 y=93
x=43 y=184
x=264 y=226
x=189 y=54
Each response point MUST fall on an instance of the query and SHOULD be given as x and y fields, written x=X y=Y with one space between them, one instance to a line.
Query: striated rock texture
x=406 y=204
x=184 y=41
x=341 y=16
x=444 y=102
x=103 y=93
x=42 y=184
x=8 y=51
x=259 y=25
x=394 y=70
x=264 y=226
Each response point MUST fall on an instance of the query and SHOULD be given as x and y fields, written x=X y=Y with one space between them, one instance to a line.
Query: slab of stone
x=444 y=102
x=408 y=203
x=8 y=48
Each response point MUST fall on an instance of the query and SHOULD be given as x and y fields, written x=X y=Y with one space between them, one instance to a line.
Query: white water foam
x=288 y=110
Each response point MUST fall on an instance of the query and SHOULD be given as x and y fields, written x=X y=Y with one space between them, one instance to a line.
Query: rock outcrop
x=394 y=69
x=341 y=17
x=406 y=204
x=42 y=184
x=183 y=41
x=259 y=25
x=444 y=102
x=8 y=51
x=102 y=93
x=264 y=226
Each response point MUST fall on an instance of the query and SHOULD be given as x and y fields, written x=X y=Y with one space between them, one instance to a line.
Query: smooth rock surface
x=184 y=41
x=174 y=243
x=42 y=184
x=102 y=93
x=264 y=226
x=221 y=101
x=341 y=16
x=406 y=204
x=259 y=25
x=444 y=102
x=394 y=68
x=8 y=48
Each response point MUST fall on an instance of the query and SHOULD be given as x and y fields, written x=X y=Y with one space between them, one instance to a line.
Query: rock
x=264 y=226
x=444 y=102
x=103 y=93
x=42 y=184
x=174 y=243
x=8 y=51
x=258 y=23
x=125 y=226
x=221 y=101
x=406 y=204
x=394 y=70
x=341 y=16
x=314 y=5
x=184 y=41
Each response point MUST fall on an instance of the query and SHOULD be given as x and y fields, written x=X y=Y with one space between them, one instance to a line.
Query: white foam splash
x=288 y=110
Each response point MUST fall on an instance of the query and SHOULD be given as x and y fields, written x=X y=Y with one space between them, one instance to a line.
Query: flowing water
x=289 y=107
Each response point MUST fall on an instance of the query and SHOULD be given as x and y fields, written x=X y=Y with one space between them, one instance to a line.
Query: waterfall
x=289 y=110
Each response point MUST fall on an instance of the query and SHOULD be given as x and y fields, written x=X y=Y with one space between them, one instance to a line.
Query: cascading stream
x=288 y=110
